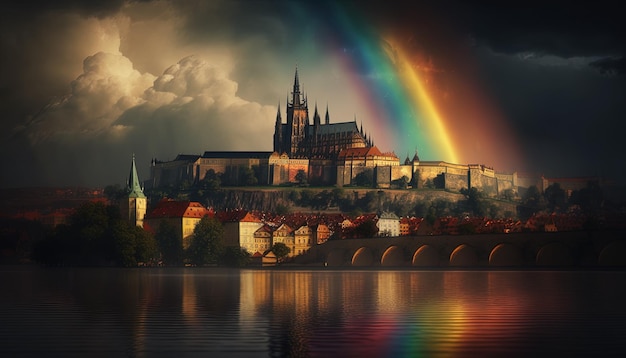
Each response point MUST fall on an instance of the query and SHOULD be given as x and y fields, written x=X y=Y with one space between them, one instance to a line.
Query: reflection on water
x=195 y=312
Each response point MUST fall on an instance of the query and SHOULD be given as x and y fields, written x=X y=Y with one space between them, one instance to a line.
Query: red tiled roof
x=168 y=208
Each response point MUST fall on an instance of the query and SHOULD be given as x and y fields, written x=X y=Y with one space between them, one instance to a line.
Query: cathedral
x=329 y=154
x=298 y=138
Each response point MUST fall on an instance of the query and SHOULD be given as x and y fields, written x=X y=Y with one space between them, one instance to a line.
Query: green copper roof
x=134 y=188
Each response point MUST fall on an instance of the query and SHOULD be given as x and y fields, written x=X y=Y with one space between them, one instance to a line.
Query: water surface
x=319 y=313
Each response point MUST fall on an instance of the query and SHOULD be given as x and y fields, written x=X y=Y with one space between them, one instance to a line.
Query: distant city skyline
x=535 y=88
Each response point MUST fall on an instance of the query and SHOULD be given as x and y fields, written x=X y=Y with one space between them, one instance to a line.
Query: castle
x=327 y=154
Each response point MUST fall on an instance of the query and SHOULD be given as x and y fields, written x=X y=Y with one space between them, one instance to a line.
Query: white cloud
x=114 y=109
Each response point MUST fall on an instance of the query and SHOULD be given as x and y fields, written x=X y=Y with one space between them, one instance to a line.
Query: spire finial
x=296 y=81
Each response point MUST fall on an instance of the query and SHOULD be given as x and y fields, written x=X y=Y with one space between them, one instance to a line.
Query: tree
x=247 y=177
x=475 y=202
x=532 y=202
x=206 y=246
x=301 y=177
x=282 y=209
x=96 y=235
x=170 y=244
x=401 y=183
x=365 y=178
x=509 y=194
x=235 y=257
x=280 y=250
x=555 y=197
x=366 y=229
x=133 y=245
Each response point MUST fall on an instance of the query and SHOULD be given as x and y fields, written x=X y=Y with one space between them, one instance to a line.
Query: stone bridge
x=557 y=249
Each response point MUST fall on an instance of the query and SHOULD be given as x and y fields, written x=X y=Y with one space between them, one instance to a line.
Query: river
x=189 y=312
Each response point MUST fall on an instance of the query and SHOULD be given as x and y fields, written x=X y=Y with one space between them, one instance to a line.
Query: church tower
x=134 y=205
x=297 y=119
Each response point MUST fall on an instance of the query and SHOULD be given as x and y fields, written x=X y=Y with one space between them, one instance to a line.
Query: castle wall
x=322 y=172
x=382 y=177
x=427 y=173
x=506 y=182
x=397 y=172
x=484 y=179
x=455 y=182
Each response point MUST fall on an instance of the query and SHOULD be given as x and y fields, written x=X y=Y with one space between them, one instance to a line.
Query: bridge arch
x=554 y=254
x=505 y=254
x=463 y=255
x=363 y=256
x=393 y=256
x=425 y=255
x=613 y=254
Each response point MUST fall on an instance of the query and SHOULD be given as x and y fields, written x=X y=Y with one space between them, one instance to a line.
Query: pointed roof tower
x=134 y=188
x=316 y=117
x=296 y=82
x=327 y=120
x=279 y=119
x=407 y=161
x=416 y=158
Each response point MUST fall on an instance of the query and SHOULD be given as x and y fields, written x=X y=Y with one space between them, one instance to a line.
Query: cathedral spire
x=134 y=188
x=296 y=82
x=316 y=116
x=327 y=119
x=279 y=119
x=296 y=96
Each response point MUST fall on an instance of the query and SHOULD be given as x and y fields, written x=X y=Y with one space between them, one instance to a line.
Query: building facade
x=182 y=215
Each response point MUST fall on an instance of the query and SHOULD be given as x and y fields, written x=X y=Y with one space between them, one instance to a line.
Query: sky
x=531 y=87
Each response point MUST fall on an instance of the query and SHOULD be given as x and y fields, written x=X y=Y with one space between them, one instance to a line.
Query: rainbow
x=403 y=112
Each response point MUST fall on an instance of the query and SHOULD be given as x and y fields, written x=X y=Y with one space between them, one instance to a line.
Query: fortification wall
x=483 y=180
x=506 y=182
x=399 y=171
x=455 y=182
x=382 y=177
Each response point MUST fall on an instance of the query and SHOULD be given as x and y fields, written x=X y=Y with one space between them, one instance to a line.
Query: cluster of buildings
x=328 y=154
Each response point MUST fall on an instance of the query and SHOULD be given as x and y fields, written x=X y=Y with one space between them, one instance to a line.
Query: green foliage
x=132 y=245
x=170 y=244
x=206 y=246
x=234 y=257
x=95 y=236
x=555 y=198
x=280 y=250
x=247 y=176
x=366 y=229
x=475 y=202
x=509 y=194
x=401 y=183
x=590 y=199
x=364 y=178
x=282 y=209
x=532 y=202
x=301 y=178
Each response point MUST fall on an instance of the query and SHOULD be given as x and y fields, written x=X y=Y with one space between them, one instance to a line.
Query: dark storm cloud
x=562 y=28
x=543 y=65
x=98 y=8
x=610 y=66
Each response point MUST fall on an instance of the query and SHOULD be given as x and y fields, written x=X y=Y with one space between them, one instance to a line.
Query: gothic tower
x=134 y=205
x=297 y=119
x=278 y=133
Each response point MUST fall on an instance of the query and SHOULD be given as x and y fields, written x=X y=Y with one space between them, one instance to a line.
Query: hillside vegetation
x=421 y=203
